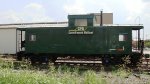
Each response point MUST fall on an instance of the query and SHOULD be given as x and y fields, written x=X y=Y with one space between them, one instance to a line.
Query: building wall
x=107 y=18
x=7 y=41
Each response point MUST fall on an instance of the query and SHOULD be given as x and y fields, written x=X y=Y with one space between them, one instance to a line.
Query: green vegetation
x=147 y=43
x=51 y=76
x=9 y=74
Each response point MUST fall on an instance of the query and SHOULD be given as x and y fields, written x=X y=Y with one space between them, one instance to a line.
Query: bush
x=147 y=43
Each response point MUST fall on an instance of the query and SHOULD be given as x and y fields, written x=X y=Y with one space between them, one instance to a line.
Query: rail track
x=81 y=63
x=97 y=63
x=145 y=65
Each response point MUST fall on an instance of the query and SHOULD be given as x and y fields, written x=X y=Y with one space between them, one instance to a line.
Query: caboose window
x=32 y=38
x=80 y=22
x=122 y=37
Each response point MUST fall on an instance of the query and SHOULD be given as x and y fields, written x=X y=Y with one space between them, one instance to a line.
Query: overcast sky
x=124 y=11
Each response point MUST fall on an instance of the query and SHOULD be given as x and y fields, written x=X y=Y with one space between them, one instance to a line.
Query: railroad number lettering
x=80 y=28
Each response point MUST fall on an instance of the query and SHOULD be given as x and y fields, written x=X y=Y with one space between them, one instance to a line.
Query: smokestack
x=101 y=18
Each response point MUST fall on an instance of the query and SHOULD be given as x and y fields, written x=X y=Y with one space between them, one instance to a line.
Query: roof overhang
x=133 y=26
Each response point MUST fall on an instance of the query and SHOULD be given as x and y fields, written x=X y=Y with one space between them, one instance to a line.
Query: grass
x=11 y=76
x=61 y=75
x=65 y=75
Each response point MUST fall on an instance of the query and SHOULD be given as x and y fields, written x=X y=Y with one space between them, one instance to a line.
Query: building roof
x=32 y=25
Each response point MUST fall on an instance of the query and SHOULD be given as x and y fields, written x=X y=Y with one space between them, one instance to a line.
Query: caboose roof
x=133 y=26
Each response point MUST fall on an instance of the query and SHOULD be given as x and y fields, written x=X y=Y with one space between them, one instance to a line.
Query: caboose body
x=81 y=38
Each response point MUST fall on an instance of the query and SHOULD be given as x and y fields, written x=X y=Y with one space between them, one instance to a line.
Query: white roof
x=32 y=25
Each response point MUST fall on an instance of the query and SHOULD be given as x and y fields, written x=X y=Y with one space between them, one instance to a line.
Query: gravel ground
x=131 y=79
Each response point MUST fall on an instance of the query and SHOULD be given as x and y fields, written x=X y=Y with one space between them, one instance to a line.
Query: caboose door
x=119 y=40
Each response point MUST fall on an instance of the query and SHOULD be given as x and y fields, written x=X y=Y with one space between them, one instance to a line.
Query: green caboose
x=81 y=38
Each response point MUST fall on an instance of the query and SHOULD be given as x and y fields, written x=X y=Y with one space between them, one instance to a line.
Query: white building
x=7 y=40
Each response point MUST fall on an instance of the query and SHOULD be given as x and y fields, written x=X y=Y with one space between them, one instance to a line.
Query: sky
x=124 y=11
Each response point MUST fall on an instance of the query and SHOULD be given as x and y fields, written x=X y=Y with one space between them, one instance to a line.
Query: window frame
x=123 y=37
x=81 y=22
x=32 y=37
